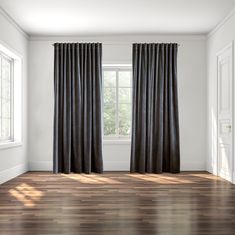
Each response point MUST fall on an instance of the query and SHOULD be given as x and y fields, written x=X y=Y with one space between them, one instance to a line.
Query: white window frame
x=117 y=68
x=11 y=61
x=16 y=139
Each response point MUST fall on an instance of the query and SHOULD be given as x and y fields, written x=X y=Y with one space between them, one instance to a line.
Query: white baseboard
x=209 y=169
x=116 y=165
x=125 y=166
x=233 y=179
x=41 y=166
x=193 y=166
x=12 y=172
x=108 y=166
x=112 y=166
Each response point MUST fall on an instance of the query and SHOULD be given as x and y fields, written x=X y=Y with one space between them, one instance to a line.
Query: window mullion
x=1 y=95
x=117 y=103
x=11 y=101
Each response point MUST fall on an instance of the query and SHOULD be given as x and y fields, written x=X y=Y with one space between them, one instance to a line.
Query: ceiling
x=108 y=17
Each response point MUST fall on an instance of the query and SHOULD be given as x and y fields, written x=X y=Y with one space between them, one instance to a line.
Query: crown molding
x=13 y=23
x=221 y=23
x=121 y=38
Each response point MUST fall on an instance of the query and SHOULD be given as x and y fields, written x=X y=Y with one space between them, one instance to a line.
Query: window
x=10 y=98
x=117 y=101
x=6 y=98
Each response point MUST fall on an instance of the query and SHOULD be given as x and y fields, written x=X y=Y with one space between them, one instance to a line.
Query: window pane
x=6 y=128
x=5 y=104
x=6 y=89
x=125 y=119
x=124 y=78
x=6 y=108
x=5 y=68
x=0 y=82
x=109 y=79
x=109 y=95
x=124 y=95
x=109 y=120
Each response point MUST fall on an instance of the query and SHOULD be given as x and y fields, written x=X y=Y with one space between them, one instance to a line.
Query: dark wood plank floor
x=117 y=203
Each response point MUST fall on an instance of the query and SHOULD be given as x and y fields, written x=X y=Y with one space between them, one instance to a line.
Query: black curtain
x=155 y=125
x=77 y=110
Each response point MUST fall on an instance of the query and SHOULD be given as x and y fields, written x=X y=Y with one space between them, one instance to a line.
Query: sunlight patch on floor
x=160 y=179
x=91 y=179
x=26 y=194
x=206 y=176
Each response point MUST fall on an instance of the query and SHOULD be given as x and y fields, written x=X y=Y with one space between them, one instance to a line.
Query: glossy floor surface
x=117 y=203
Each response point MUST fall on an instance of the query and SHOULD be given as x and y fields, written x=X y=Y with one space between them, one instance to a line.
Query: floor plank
x=117 y=203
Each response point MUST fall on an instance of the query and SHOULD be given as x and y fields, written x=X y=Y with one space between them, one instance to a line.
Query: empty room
x=117 y=117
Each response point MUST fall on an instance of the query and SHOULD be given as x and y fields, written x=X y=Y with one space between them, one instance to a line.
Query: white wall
x=118 y=49
x=217 y=40
x=13 y=161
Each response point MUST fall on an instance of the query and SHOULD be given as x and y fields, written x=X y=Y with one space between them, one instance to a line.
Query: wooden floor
x=117 y=203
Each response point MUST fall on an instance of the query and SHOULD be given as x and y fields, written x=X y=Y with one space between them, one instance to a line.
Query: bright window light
x=10 y=97
x=117 y=101
x=6 y=98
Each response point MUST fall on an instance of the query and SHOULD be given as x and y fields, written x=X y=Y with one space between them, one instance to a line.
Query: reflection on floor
x=117 y=203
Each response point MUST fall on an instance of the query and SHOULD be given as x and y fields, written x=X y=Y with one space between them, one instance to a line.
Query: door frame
x=219 y=53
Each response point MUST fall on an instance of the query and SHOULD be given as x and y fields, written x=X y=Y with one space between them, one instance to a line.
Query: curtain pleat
x=77 y=109
x=155 y=125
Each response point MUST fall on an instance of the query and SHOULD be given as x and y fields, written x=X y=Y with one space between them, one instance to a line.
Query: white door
x=225 y=112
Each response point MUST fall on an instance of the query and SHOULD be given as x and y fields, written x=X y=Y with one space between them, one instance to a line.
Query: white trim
x=41 y=166
x=13 y=23
x=221 y=23
x=193 y=166
x=117 y=165
x=14 y=53
x=209 y=169
x=13 y=172
x=216 y=169
x=224 y=49
x=108 y=165
x=233 y=178
x=124 y=38
x=122 y=65
x=9 y=144
x=117 y=142
x=116 y=103
x=233 y=117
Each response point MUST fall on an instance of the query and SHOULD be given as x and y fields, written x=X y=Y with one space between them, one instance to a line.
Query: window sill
x=7 y=145
x=117 y=142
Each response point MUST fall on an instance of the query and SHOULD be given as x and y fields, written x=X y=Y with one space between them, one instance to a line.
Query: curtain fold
x=77 y=108
x=155 y=125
